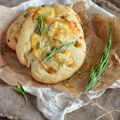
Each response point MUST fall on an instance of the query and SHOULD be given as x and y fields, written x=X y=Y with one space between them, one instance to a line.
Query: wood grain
x=115 y=2
x=112 y=6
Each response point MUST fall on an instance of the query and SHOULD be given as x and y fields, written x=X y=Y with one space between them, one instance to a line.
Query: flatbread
x=61 y=27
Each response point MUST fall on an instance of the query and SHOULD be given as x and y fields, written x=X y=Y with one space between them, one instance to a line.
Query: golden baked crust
x=51 y=43
x=15 y=28
x=14 y=31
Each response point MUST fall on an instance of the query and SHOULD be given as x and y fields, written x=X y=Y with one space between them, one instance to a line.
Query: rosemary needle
x=20 y=90
x=97 y=71
x=40 y=24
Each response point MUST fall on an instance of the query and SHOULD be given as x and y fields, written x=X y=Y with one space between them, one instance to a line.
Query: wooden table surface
x=110 y=100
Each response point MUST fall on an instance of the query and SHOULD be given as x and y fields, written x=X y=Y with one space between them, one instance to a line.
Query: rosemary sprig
x=20 y=90
x=56 y=50
x=40 y=24
x=97 y=71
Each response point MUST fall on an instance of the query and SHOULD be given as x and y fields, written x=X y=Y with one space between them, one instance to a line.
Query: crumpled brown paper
x=95 y=29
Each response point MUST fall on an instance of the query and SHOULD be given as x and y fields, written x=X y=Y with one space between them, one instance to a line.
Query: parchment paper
x=56 y=100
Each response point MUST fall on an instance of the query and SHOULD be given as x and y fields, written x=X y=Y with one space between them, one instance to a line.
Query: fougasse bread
x=50 y=41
